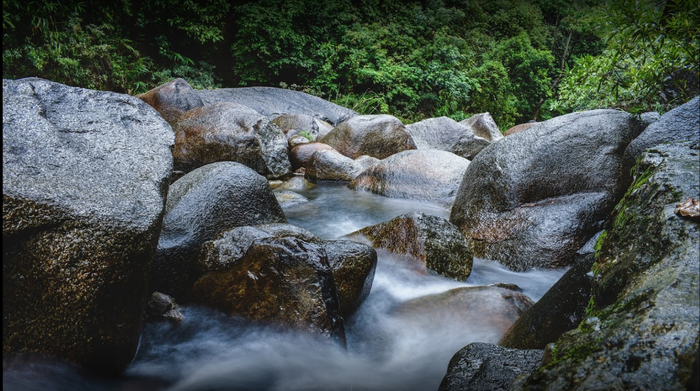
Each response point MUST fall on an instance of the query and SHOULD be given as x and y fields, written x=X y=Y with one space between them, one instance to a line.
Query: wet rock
x=294 y=139
x=430 y=240
x=331 y=165
x=85 y=174
x=678 y=125
x=230 y=132
x=271 y=102
x=487 y=367
x=281 y=280
x=642 y=326
x=296 y=183
x=287 y=198
x=497 y=307
x=162 y=307
x=379 y=136
x=534 y=198
x=300 y=155
x=201 y=205
x=483 y=126
x=298 y=122
x=353 y=265
x=427 y=175
x=446 y=134
x=519 y=128
x=172 y=99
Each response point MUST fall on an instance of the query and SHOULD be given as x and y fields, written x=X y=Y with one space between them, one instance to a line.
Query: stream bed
x=210 y=351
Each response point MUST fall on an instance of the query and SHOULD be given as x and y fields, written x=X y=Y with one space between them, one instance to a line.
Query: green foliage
x=306 y=135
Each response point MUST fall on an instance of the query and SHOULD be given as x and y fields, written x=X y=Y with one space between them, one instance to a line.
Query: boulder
x=297 y=122
x=279 y=280
x=331 y=165
x=230 y=132
x=271 y=102
x=294 y=139
x=379 y=136
x=534 y=198
x=679 y=124
x=431 y=241
x=353 y=265
x=486 y=367
x=641 y=330
x=300 y=155
x=427 y=175
x=85 y=175
x=172 y=99
x=519 y=128
x=201 y=205
x=446 y=134
x=483 y=126
x=287 y=198
x=162 y=307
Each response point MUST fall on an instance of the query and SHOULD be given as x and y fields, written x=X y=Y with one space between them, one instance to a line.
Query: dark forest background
x=517 y=59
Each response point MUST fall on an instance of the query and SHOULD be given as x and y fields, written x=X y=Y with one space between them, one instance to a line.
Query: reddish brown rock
x=301 y=154
x=172 y=99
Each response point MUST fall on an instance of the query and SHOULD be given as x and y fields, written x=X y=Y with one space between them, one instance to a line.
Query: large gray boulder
x=230 y=132
x=533 y=198
x=427 y=175
x=172 y=99
x=271 y=102
x=201 y=205
x=85 y=174
x=430 y=241
x=679 y=124
x=378 y=136
x=487 y=367
x=641 y=330
x=446 y=134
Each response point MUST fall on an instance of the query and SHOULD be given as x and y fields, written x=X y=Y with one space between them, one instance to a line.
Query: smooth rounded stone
x=353 y=265
x=534 y=198
x=274 y=183
x=427 y=175
x=298 y=122
x=375 y=135
x=323 y=128
x=172 y=99
x=331 y=165
x=296 y=183
x=294 y=139
x=300 y=155
x=230 y=132
x=641 y=330
x=271 y=102
x=519 y=128
x=230 y=246
x=483 y=126
x=162 y=307
x=431 y=240
x=85 y=175
x=288 y=198
x=487 y=367
x=678 y=125
x=446 y=134
x=489 y=309
x=365 y=161
x=279 y=280
x=201 y=205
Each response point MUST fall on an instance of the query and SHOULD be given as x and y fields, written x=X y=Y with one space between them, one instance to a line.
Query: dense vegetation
x=517 y=59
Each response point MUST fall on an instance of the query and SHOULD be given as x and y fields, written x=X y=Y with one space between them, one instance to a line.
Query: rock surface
x=431 y=240
x=172 y=99
x=483 y=126
x=379 y=136
x=446 y=134
x=642 y=326
x=230 y=132
x=271 y=102
x=534 y=198
x=282 y=280
x=427 y=175
x=201 y=205
x=85 y=174
x=331 y=165
x=353 y=266
x=300 y=155
x=487 y=367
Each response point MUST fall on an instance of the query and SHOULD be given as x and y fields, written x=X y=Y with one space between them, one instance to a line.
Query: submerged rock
x=426 y=175
x=642 y=326
x=282 y=280
x=534 y=198
x=201 y=205
x=446 y=134
x=379 y=136
x=230 y=132
x=487 y=367
x=85 y=174
x=430 y=240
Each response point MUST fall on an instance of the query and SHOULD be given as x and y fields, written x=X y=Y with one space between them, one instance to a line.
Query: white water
x=210 y=351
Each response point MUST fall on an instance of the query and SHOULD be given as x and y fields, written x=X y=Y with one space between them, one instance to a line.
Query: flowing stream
x=210 y=351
